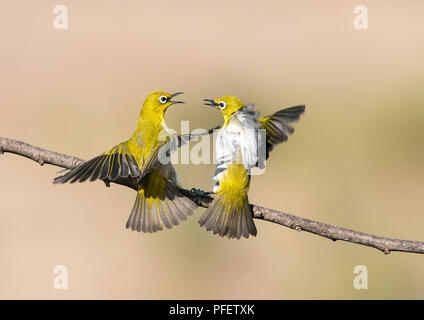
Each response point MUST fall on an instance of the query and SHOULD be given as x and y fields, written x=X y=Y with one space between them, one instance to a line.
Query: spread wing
x=113 y=164
x=276 y=125
x=183 y=139
x=118 y=162
x=248 y=138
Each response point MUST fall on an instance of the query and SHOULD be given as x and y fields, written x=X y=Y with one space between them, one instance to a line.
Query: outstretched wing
x=118 y=162
x=248 y=136
x=113 y=164
x=184 y=138
x=169 y=144
x=276 y=125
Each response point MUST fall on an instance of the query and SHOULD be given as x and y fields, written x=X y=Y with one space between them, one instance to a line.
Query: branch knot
x=40 y=160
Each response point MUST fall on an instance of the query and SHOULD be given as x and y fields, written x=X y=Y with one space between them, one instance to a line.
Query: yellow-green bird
x=159 y=200
x=237 y=151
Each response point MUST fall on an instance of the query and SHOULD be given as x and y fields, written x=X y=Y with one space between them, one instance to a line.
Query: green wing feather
x=112 y=165
x=276 y=125
x=119 y=163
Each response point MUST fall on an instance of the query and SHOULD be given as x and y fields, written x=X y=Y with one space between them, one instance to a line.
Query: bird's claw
x=199 y=195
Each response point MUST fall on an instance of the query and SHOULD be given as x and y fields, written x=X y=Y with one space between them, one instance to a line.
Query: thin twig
x=386 y=245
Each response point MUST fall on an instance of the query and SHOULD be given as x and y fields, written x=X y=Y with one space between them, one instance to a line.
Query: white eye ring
x=222 y=105
x=163 y=99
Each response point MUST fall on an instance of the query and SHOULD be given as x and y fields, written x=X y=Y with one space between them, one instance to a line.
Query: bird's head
x=226 y=104
x=160 y=101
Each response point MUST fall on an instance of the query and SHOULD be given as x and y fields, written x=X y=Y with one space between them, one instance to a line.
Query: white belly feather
x=237 y=142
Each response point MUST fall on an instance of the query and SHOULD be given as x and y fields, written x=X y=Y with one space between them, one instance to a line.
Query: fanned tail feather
x=228 y=219
x=159 y=203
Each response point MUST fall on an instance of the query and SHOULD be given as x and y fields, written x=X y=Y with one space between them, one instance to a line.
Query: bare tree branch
x=386 y=245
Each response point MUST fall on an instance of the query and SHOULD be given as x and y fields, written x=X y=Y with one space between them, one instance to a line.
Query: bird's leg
x=199 y=195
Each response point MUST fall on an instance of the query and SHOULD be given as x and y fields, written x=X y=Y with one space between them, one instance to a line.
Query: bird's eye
x=163 y=99
x=222 y=105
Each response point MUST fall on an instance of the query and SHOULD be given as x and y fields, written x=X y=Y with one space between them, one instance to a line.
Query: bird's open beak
x=210 y=102
x=174 y=95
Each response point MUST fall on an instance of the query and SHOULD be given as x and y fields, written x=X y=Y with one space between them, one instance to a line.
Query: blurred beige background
x=356 y=159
